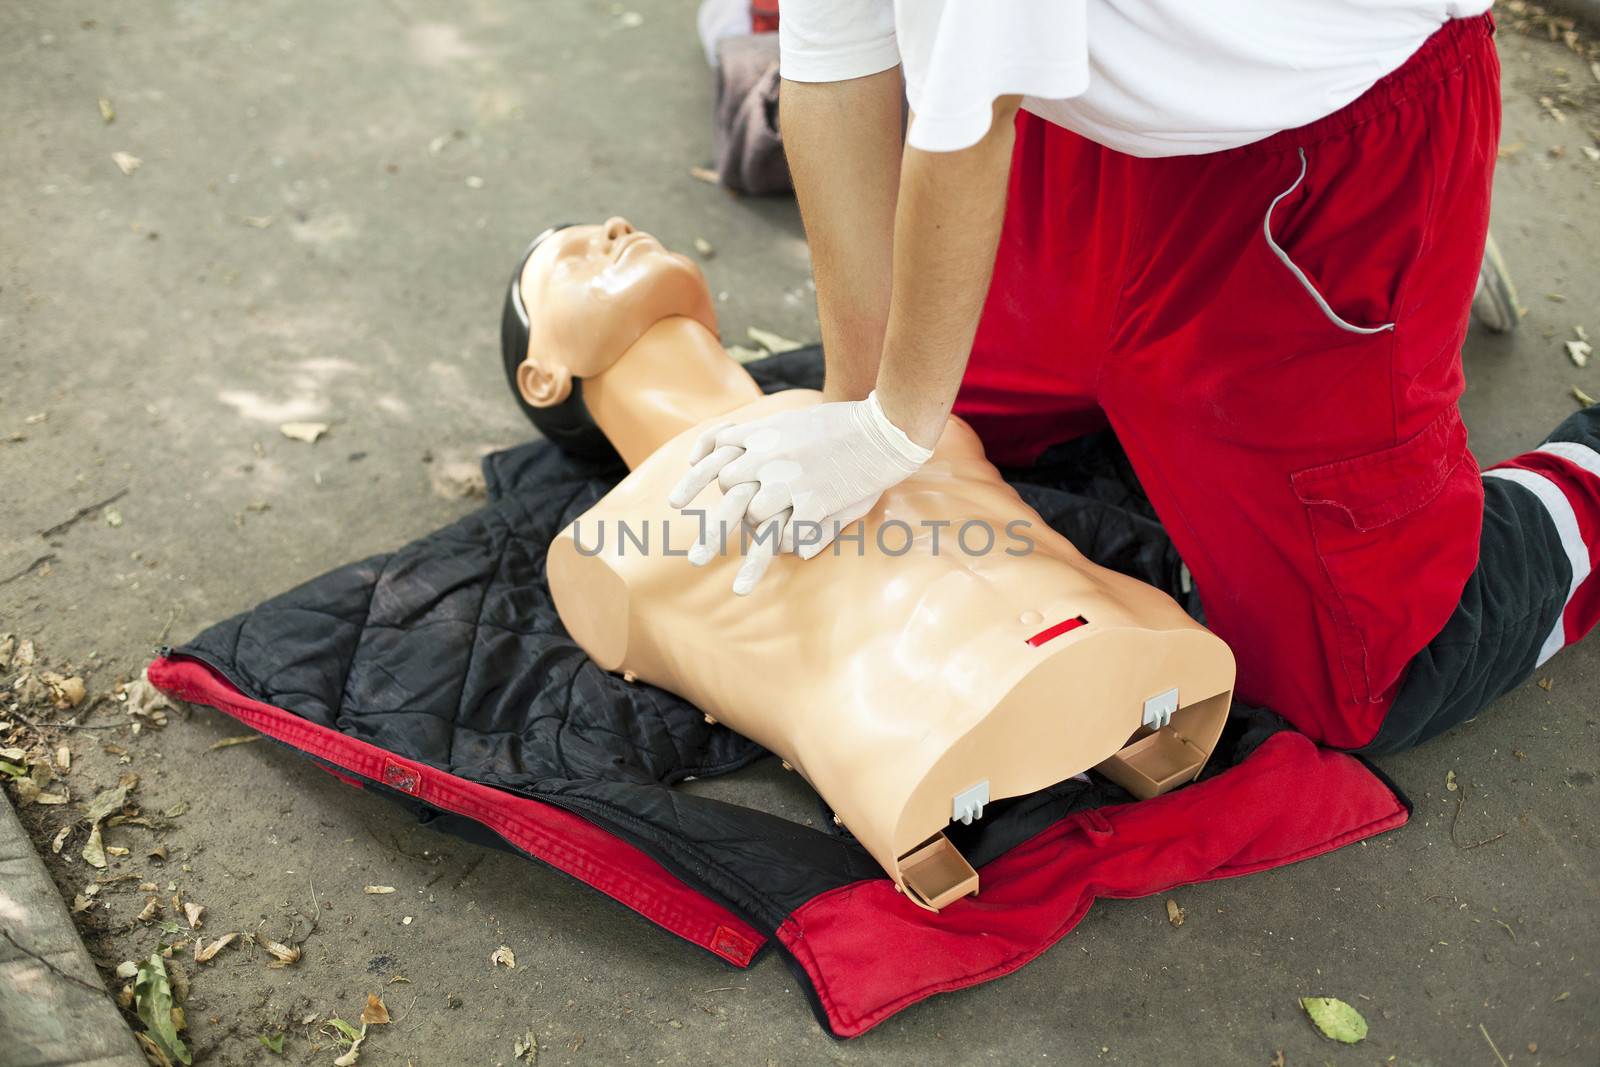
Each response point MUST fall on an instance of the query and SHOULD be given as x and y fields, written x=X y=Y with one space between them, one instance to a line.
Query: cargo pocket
x=1396 y=534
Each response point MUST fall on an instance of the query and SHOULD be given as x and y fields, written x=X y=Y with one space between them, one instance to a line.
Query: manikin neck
x=675 y=376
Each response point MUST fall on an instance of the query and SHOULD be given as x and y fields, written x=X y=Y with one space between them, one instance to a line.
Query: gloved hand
x=795 y=478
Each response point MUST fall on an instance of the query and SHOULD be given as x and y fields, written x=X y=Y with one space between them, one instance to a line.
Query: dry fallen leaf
x=1450 y=781
x=459 y=479
x=106 y=803
x=63 y=758
x=108 y=114
x=194 y=913
x=741 y=354
x=145 y=701
x=229 y=742
x=375 y=890
x=772 y=342
x=282 y=955
x=303 y=431
x=126 y=162
x=1175 y=914
x=60 y=839
x=704 y=174
x=703 y=246
x=525 y=1047
x=94 y=850
x=152 y=910
x=375 y=1013
x=1582 y=397
x=1547 y=684
x=65 y=692
x=1579 y=352
x=503 y=956
x=204 y=954
x=259 y=222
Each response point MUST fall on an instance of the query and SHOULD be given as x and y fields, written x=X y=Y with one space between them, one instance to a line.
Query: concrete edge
x=46 y=1016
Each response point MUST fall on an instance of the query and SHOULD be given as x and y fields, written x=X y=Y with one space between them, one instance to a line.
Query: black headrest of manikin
x=568 y=425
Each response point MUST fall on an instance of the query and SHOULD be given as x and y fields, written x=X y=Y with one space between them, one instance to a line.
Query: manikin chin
x=909 y=683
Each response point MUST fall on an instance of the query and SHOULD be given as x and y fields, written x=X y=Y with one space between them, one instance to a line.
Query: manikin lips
x=629 y=241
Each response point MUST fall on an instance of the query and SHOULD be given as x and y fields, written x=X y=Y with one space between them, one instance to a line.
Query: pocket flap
x=1376 y=489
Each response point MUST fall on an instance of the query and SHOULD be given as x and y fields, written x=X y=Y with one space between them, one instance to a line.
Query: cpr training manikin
x=951 y=651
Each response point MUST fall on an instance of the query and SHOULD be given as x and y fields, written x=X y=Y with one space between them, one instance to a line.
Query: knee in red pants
x=1274 y=334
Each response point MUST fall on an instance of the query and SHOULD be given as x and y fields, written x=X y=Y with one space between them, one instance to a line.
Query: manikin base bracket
x=936 y=874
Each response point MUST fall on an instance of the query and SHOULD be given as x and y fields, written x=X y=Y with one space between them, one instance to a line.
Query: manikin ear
x=543 y=386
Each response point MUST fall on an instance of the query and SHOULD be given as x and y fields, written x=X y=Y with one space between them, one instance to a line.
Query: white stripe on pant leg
x=1566 y=521
x=1574 y=453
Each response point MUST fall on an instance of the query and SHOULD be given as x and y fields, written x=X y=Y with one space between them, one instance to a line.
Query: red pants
x=1274 y=333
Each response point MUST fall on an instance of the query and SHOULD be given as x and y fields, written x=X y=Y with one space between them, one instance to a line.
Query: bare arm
x=823 y=467
x=947 y=227
x=843 y=144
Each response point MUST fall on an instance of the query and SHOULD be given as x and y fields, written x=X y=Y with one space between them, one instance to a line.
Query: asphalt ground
x=328 y=201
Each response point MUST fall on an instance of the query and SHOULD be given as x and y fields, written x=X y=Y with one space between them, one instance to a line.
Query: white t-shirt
x=1145 y=77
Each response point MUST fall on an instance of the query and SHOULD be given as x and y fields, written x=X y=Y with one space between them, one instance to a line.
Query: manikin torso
x=908 y=683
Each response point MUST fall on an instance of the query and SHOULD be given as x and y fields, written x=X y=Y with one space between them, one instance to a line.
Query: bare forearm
x=843 y=144
x=951 y=206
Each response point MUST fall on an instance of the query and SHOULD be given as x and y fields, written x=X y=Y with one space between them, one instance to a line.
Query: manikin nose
x=617 y=226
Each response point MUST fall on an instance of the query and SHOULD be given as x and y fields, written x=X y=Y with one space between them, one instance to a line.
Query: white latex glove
x=795 y=478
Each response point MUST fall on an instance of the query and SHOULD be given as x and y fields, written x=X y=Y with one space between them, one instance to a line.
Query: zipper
x=168 y=652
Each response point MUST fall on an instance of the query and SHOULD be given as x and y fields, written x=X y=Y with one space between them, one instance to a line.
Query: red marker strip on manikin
x=1056 y=631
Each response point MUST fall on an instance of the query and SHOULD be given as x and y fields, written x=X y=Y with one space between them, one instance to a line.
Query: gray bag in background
x=745 y=137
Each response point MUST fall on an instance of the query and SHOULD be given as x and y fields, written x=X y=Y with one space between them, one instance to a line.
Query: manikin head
x=588 y=293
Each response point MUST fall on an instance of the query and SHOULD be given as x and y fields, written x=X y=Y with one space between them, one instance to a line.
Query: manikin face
x=591 y=292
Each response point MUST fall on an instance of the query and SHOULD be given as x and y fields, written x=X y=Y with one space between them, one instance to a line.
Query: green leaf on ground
x=152 y=998
x=350 y=1033
x=1336 y=1019
x=273 y=1044
x=351 y=1037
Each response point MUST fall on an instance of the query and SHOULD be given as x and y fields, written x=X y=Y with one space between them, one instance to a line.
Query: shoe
x=1494 y=303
